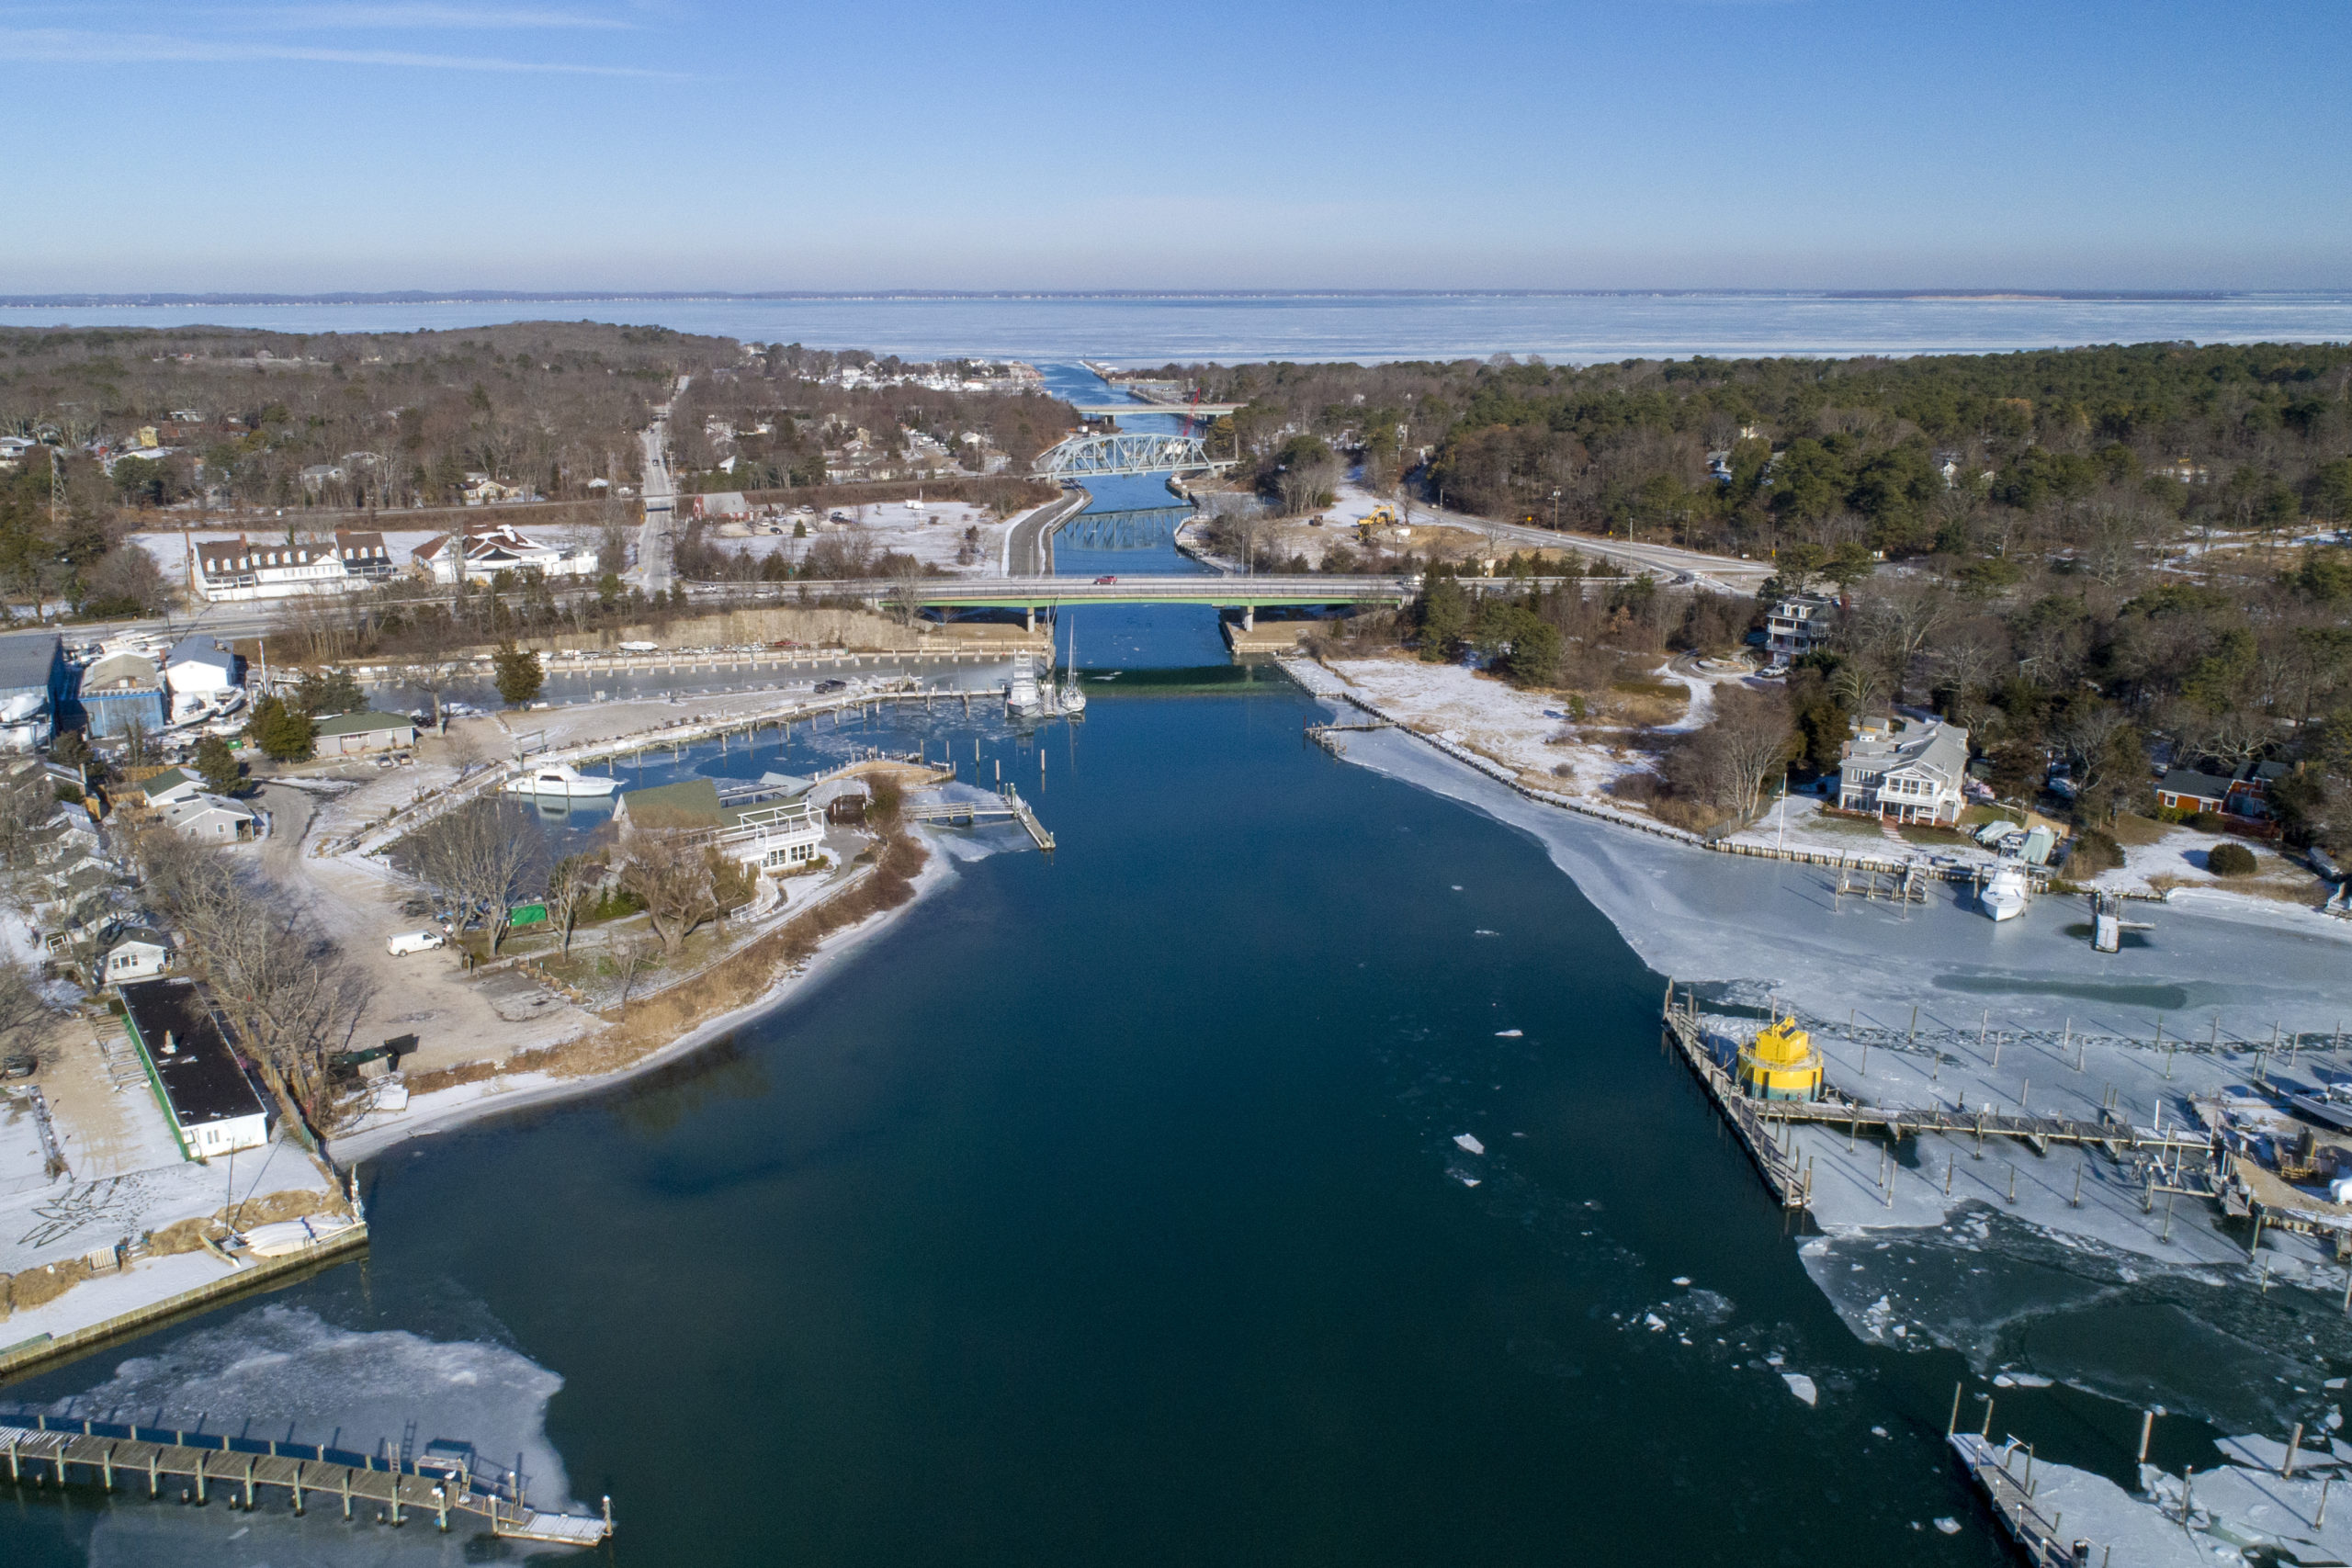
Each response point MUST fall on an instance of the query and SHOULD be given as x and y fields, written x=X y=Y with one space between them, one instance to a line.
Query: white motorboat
x=562 y=783
x=1022 y=697
x=2002 y=895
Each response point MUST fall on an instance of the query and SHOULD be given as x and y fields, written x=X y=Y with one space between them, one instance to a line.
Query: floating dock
x=243 y=1471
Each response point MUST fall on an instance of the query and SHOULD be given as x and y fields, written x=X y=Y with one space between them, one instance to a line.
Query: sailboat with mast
x=1073 y=699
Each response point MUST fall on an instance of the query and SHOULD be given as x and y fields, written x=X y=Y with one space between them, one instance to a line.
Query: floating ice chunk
x=1773 y=1359
x=2002 y=1380
x=1878 y=1431
x=1457 y=887
x=1510 y=1033
x=1949 y=1525
x=1801 y=1386
x=1465 y=1140
x=1656 y=1322
x=2333 y=1383
x=1484 y=931
x=1682 y=1278
x=1901 y=1332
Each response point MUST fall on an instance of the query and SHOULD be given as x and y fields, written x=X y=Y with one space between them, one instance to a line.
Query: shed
x=352 y=734
x=191 y=1066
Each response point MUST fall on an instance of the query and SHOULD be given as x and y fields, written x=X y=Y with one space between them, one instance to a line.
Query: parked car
x=1106 y=580
x=826 y=687
x=402 y=944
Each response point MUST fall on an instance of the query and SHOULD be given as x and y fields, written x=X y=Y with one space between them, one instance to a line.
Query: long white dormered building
x=236 y=569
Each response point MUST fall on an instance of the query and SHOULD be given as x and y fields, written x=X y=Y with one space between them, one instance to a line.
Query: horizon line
x=152 y=299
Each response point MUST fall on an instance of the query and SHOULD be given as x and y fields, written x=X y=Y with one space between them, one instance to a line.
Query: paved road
x=1029 y=547
x=1726 y=573
x=653 y=541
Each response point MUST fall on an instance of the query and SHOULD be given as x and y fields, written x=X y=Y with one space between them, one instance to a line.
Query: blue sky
x=900 y=143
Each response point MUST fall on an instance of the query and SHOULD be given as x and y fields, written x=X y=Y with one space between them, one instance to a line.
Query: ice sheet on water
x=284 y=1372
x=1470 y=1142
x=2013 y=1299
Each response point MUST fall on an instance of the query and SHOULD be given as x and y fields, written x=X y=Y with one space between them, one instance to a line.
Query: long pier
x=244 y=1472
x=2181 y=1162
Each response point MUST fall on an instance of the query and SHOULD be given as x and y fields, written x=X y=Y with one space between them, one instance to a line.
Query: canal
x=1285 y=1172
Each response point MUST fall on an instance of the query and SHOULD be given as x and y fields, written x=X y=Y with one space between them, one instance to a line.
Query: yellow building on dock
x=1781 y=1063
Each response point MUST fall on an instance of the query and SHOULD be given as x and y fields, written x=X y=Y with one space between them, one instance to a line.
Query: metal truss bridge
x=1082 y=458
x=1134 y=528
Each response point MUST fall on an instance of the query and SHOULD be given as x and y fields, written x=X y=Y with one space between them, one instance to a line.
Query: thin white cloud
x=67 y=47
x=388 y=18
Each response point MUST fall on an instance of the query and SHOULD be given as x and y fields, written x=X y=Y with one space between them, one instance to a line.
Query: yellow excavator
x=1381 y=516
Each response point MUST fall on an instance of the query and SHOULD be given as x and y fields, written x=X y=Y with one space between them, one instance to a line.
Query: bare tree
x=479 y=857
x=907 y=580
x=1750 y=739
x=667 y=870
x=291 y=998
x=571 y=883
x=23 y=1009
x=435 y=676
x=632 y=958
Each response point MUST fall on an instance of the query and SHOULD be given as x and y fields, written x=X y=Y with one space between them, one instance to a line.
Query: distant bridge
x=1181 y=410
x=1082 y=458
x=1133 y=528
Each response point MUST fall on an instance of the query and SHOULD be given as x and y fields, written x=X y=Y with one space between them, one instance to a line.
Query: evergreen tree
x=1444 y=617
x=519 y=675
x=218 y=764
x=283 y=734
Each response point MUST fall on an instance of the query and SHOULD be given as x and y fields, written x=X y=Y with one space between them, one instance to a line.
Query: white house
x=486 y=552
x=205 y=1096
x=1908 y=770
x=140 y=952
x=212 y=820
x=1798 y=624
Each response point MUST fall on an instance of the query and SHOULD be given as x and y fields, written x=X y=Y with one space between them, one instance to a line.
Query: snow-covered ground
x=934 y=536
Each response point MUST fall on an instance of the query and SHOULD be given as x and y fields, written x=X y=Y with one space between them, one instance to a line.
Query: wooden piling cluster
x=243 y=1473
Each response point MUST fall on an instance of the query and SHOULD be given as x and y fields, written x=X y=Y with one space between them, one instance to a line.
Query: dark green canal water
x=1109 y=1210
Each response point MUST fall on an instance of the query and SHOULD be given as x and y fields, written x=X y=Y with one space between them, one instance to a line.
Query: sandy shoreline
x=450 y=1108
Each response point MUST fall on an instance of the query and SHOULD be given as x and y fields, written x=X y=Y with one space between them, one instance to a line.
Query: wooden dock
x=1789 y=1184
x=245 y=1473
x=1989 y=1465
x=971 y=814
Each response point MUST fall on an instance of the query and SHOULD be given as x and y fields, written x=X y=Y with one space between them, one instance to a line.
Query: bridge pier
x=1248 y=617
x=1029 y=619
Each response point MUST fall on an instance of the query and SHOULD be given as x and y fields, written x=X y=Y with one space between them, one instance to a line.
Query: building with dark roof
x=33 y=680
x=192 y=1066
